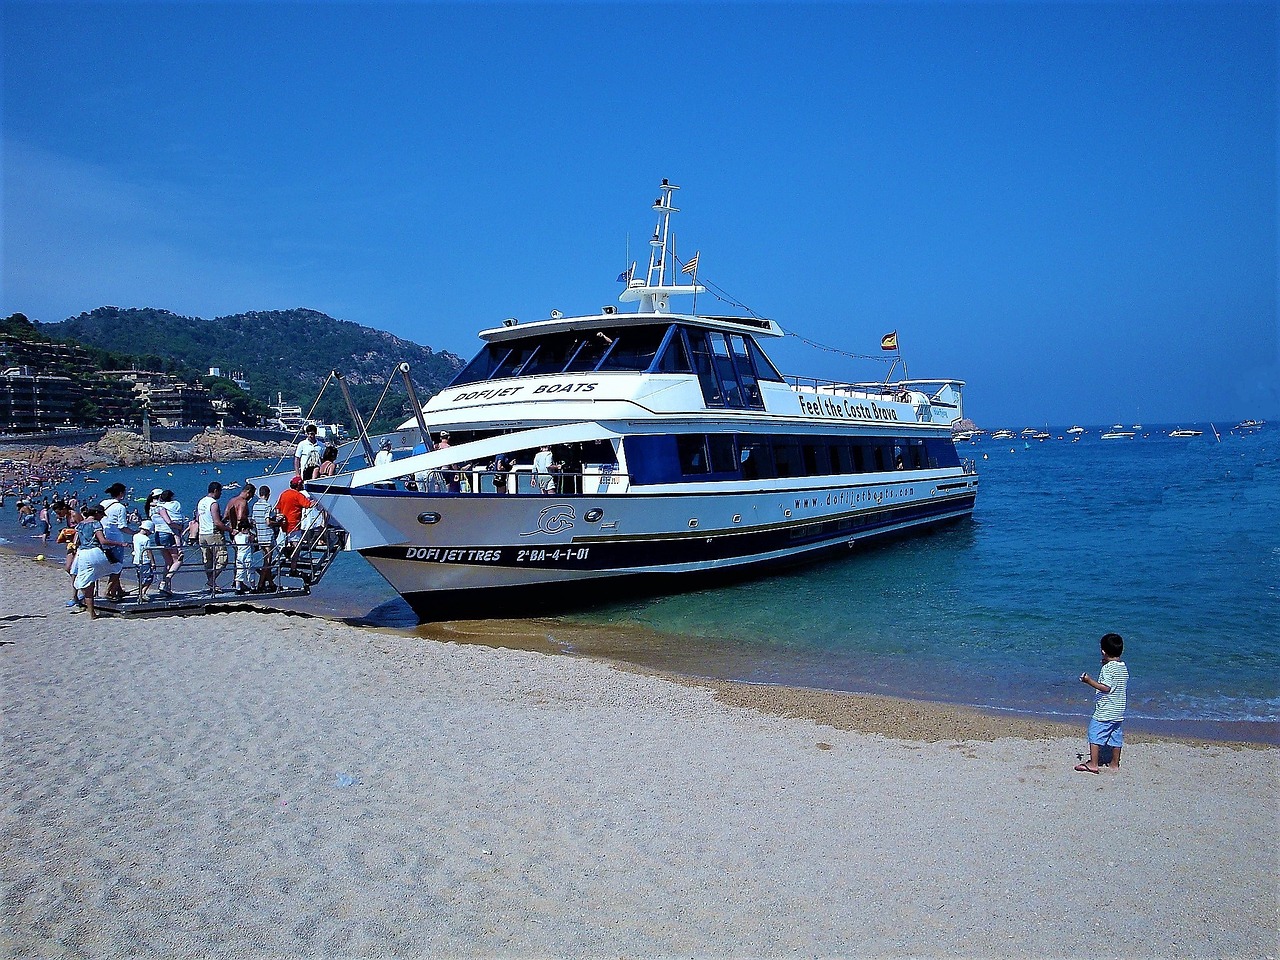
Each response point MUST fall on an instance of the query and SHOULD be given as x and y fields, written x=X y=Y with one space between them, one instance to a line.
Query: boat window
x=838 y=455
x=635 y=349
x=725 y=369
x=669 y=458
x=815 y=459
x=750 y=388
x=483 y=365
x=756 y=459
x=705 y=368
x=593 y=347
x=859 y=458
x=692 y=451
x=786 y=458
x=675 y=358
x=764 y=368
x=521 y=351
x=552 y=354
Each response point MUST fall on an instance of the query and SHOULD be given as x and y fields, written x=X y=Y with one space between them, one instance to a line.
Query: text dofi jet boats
x=653 y=450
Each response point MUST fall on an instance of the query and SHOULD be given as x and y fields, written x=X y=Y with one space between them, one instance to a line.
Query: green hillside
x=279 y=351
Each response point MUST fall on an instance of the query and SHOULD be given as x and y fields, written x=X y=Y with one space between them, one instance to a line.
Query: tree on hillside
x=17 y=325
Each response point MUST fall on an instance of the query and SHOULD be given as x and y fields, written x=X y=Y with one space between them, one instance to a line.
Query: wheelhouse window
x=483 y=365
x=675 y=356
x=594 y=346
x=552 y=354
x=729 y=366
x=635 y=349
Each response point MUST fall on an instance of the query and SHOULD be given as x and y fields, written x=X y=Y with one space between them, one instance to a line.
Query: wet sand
x=250 y=784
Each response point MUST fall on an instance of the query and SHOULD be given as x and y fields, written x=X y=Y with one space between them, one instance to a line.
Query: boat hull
x=477 y=555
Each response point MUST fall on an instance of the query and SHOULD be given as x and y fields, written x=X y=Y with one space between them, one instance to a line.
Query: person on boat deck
x=306 y=458
x=571 y=469
x=543 y=463
x=500 y=468
x=384 y=455
x=328 y=462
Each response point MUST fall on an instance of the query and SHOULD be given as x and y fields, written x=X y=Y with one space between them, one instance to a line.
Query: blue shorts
x=1107 y=733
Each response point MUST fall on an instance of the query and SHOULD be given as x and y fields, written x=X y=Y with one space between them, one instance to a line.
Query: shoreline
x=898 y=718
x=248 y=784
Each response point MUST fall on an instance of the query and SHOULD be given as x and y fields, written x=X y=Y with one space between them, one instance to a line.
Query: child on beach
x=1106 y=729
x=144 y=559
x=244 y=553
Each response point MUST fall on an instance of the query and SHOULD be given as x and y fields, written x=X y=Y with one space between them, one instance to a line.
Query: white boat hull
x=457 y=556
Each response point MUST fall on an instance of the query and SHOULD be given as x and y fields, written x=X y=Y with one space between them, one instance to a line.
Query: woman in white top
x=160 y=510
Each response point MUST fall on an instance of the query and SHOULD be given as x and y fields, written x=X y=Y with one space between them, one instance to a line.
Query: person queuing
x=118 y=535
x=91 y=563
x=213 y=535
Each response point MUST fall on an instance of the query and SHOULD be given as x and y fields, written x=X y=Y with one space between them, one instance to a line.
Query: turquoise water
x=1173 y=543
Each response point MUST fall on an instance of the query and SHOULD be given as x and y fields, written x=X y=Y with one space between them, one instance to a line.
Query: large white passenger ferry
x=683 y=455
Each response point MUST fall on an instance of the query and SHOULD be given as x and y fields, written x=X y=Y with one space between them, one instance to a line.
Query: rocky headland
x=123 y=448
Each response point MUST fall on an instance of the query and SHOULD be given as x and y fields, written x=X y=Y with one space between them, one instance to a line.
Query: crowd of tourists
x=134 y=546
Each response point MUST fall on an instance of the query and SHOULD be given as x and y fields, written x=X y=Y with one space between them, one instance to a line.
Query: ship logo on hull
x=553 y=519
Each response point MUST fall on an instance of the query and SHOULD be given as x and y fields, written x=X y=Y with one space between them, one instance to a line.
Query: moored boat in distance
x=650 y=451
x=1180 y=432
x=1002 y=435
x=1248 y=426
x=1075 y=431
x=1117 y=432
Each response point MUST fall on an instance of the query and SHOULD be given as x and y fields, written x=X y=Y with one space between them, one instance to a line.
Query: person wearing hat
x=384 y=455
x=144 y=558
x=290 y=506
x=165 y=514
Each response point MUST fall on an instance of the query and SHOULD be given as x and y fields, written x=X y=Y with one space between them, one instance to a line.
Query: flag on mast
x=889 y=341
x=626 y=275
x=692 y=266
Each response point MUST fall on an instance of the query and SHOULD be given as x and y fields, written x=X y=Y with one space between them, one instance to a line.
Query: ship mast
x=653 y=291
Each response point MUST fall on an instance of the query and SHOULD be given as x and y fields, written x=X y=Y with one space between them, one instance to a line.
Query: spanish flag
x=889 y=341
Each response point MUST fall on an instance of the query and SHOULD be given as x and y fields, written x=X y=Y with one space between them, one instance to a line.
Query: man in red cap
x=291 y=504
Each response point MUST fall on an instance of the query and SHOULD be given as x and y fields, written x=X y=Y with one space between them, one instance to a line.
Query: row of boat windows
x=726 y=456
x=729 y=366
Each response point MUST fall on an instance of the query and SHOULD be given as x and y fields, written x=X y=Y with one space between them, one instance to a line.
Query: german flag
x=889 y=341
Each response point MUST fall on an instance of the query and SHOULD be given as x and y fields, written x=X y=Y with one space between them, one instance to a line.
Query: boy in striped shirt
x=1106 y=729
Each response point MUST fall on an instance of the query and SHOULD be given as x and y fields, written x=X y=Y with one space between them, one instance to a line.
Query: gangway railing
x=289 y=569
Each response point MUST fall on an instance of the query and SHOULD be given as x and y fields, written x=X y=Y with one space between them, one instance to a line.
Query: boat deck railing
x=838 y=388
x=521 y=480
x=293 y=566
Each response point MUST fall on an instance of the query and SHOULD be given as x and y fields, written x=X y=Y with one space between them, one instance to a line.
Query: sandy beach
x=253 y=784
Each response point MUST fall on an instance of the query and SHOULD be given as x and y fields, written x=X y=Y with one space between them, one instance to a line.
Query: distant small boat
x=1002 y=435
x=1186 y=433
x=1248 y=426
x=1118 y=434
x=1076 y=430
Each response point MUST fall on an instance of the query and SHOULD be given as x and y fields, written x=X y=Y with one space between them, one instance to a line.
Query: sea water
x=1172 y=543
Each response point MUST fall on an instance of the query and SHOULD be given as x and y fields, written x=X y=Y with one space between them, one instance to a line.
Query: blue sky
x=1071 y=206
